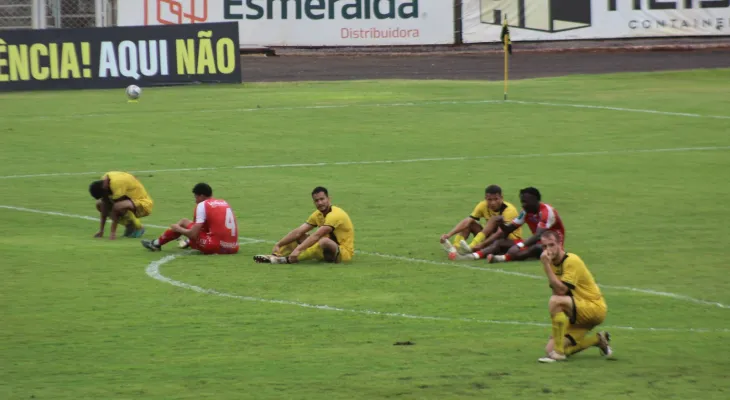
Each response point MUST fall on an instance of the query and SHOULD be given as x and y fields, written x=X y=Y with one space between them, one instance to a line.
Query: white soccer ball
x=133 y=92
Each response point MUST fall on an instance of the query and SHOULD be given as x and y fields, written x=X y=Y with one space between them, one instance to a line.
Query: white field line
x=675 y=296
x=404 y=161
x=634 y=110
x=257 y=109
x=375 y=105
x=153 y=270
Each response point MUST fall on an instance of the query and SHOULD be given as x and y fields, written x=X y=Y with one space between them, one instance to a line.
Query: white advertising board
x=531 y=20
x=306 y=22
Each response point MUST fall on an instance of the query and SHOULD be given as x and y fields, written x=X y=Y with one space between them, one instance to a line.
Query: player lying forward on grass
x=489 y=239
x=214 y=229
x=122 y=197
x=333 y=242
x=539 y=216
x=576 y=305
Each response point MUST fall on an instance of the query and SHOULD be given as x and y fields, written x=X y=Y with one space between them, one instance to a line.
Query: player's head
x=202 y=192
x=551 y=242
x=493 y=196
x=530 y=198
x=321 y=198
x=97 y=190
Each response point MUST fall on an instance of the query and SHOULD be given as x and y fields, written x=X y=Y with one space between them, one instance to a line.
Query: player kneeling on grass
x=576 y=305
x=488 y=240
x=334 y=240
x=122 y=197
x=214 y=229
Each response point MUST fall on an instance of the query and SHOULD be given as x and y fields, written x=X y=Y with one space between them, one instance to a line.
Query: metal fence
x=16 y=14
x=39 y=14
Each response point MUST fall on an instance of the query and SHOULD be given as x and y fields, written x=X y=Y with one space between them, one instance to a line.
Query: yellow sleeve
x=312 y=220
x=480 y=211
x=509 y=214
x=118 y=185
x=334 y=219
x=573 y=268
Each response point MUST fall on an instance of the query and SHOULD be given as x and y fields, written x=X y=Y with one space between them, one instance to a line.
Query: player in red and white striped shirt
x=214 y=229
x=540 y=217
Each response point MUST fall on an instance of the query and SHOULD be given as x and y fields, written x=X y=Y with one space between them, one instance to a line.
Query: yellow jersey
x=343 y=233
x=123 y=184
x=572 y=271
x=507 y=211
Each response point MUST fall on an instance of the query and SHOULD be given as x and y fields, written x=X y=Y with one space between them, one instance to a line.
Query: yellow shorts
x=345 y=255
x=143 y=207
x=588 y=313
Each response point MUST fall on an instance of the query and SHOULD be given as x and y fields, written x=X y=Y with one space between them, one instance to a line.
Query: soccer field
x=634 y=164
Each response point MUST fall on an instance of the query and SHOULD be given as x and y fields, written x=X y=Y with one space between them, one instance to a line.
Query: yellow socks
x=560 y=324
x=477 y=239
x=458 y=238
x=314 y=252
x=590 y=341
x=133 y=219
x=286 y=250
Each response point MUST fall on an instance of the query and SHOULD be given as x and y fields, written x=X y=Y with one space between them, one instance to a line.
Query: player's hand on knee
x=444 y=238
x=276 y=249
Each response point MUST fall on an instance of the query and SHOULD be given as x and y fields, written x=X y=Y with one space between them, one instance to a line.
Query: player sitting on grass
x=489 y=239
x=214 y=229
x=576 y=305
x=123 y=198
x=333 y=242
x=539 y=216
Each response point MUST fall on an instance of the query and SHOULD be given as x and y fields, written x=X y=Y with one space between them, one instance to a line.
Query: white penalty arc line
x=153 y=271
x=403 y=161
x=675 y=296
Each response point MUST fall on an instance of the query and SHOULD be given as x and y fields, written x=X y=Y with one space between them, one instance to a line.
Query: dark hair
x=531 y=190
x=551 y=234
x=320 y=189
x=493 y=189
x=203 y=189
x=96 y=189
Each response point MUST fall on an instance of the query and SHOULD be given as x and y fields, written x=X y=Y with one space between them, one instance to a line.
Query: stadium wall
x=357 y=23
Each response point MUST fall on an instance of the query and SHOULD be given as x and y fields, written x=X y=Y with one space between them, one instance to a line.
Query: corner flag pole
x=507 y=51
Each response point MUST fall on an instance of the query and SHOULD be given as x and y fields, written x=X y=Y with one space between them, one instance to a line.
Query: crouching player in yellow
x=122 y=197
x=333 y=242
x=576 y=306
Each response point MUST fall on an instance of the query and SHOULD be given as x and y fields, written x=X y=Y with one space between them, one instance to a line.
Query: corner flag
x=507 y=42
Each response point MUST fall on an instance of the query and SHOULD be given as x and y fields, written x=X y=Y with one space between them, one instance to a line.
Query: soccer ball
x=133 y=92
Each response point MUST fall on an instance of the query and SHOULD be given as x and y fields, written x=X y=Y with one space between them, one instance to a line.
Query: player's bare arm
x=191 y=233
x=321 y=232
x=559 y=288
x=120 y=207
x=532 y=240
x=104 y=206
x=460 y=227
x=292 y=236
x=498 y=234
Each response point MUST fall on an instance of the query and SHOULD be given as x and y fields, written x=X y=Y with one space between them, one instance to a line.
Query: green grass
x=81 y=319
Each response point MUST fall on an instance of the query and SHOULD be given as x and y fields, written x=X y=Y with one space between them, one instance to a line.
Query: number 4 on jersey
x=230 y=221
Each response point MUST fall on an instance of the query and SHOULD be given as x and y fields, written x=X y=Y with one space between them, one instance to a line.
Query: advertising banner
x=534 y=20
x=307 y=23
x=117 y=57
